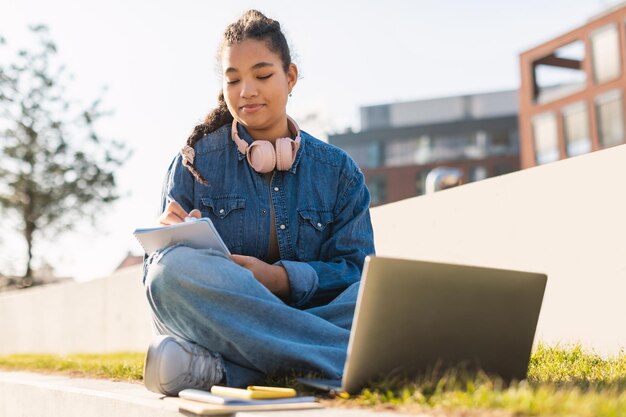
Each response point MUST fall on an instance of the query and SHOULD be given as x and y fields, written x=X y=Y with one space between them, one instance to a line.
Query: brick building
x=400 y=143
x=572 y=91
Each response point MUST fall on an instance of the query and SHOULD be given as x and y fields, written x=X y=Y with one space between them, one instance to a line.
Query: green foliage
x=54 y=167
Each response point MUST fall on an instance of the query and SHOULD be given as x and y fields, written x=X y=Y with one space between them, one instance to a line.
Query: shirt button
x=319 y=225
x=276 y=188
x=282 y=227
x=264 y=212
x=221 y=211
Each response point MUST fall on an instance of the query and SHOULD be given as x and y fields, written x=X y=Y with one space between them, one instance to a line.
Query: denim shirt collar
x=243 y=134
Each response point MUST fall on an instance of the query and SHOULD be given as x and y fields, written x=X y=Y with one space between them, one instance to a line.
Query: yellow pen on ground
x=342 y=394
x=254 y=392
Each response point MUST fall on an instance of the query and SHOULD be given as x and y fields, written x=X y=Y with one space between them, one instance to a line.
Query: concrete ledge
x=565 y=219
x=103 y=315
x=25 y=394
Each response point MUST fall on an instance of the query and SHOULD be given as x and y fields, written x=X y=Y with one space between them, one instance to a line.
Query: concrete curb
x=25 y=394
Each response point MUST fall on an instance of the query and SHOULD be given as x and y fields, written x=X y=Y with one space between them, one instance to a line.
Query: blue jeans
x=204 y=297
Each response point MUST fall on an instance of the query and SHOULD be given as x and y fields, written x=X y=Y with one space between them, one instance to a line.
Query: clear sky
x=158 y=60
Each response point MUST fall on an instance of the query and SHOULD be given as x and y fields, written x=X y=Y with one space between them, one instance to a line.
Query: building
x=400 y=143
x=572 y=91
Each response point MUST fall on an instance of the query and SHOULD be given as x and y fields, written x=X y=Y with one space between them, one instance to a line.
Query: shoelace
x=204 y=369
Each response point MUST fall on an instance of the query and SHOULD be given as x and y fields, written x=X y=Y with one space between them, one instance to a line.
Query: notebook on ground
x=198 y=405
x=412 y=316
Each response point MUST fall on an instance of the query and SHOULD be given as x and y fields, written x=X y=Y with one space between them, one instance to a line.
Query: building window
x=365 y=155
x=477 y=146
x=605 y=53
x=423 y=153
x=373 y=156
x=546 y=138
x=576 y=129
x=375 y=117
x=501 y=143
x=420 y=182
x=610 y=115
x=400 y=152
x=514 y=135
x=502 y=168
x=477 y=173
x=377 y=186
x=560 y=73
x=450 y=147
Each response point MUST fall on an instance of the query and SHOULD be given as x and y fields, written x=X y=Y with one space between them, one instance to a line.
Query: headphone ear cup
x=284 y=154
x=261 y=156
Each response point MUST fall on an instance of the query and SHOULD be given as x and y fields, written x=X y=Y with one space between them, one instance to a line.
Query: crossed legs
x=205 y=298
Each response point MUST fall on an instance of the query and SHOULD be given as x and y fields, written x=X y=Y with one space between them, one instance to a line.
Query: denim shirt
x=321 y=209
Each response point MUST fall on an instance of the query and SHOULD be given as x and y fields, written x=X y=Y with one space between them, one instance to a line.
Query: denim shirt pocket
x=228 y=215
x=313 y=231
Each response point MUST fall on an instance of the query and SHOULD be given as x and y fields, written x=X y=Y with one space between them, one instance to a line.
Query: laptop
x=413 y=317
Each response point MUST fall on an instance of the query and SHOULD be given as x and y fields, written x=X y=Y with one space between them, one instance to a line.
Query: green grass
x=562 y=381
x=119 y=366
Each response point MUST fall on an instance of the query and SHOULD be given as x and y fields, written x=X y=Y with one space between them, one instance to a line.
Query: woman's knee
x=184 y=267
x=168 y=268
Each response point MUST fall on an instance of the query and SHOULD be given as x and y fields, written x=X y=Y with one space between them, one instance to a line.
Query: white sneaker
x=173 y=364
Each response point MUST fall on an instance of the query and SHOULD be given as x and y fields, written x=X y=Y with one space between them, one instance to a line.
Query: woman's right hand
x=174 y=213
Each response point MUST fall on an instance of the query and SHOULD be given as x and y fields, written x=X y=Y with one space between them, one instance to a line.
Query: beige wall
x=566 y=219
x=104 y=315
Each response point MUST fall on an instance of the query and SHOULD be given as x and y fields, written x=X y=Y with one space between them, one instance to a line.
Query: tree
x=54 y=167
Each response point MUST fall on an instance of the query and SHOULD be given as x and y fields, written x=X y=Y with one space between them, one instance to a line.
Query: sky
x=157 y=60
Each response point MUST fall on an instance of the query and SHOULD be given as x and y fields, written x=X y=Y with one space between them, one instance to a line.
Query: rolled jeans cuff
x=303 y=281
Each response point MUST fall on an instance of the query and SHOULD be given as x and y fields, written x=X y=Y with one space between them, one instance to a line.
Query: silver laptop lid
x=413 y=315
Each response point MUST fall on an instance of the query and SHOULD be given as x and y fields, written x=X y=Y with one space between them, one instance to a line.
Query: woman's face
x=256 y=88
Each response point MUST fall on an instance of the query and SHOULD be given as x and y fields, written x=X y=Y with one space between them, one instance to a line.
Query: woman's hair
x=251 y=25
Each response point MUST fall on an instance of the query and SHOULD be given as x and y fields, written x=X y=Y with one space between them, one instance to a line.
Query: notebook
x=206 y=404
x=412 y=316
x=195 y=233
x=208 y=397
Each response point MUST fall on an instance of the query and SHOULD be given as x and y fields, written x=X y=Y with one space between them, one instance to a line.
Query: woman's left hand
x=273 y=277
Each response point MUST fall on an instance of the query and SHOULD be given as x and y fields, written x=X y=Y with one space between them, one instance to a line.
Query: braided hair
x=251 y=25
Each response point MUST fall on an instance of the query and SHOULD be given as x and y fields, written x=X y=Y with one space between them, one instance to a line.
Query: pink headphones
x=261 y=154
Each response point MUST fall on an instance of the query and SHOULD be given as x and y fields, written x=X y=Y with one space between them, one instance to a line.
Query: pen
x=169 y=199
x=272 y=389
x=253 y=392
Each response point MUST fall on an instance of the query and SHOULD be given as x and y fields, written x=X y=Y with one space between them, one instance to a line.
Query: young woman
x=293 y=211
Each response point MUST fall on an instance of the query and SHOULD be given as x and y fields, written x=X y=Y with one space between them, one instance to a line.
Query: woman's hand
x=174 y=213
x=273 y=277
